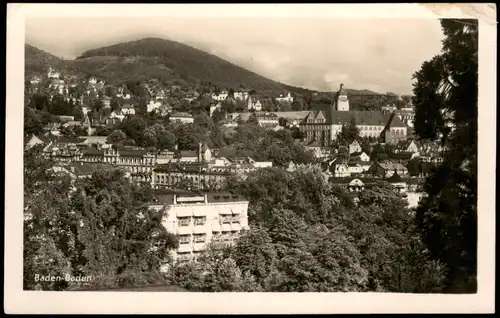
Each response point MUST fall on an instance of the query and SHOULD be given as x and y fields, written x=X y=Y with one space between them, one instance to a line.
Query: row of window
x=319 y=121
x=316 y=127
x=186 y=221
x=138 y=161
x=196 y=238
x=398 y=132
x=161 y=178
x=201 y=220
x=202 y=238
x=371 y=128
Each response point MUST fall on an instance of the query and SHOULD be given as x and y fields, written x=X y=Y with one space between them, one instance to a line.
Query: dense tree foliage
x=381 y=152
x=306 y=235
x=445 y=97
x=99 y=227
x=349 y=133
x=370 y=101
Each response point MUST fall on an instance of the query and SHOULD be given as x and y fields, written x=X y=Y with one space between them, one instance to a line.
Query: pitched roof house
x=387 y=169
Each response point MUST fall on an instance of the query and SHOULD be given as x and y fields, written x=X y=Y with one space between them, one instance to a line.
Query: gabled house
x=387 y=169
x=180 y=117
x=34 y=140
x=412 y=147
x=397 y=182
x=341 y=170
x=355 y=147
x=254 y=104
x=360 y=157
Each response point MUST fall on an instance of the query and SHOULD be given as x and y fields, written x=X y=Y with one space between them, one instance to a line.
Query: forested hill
x=173 y=63
x=37 y=61
x=167 y=60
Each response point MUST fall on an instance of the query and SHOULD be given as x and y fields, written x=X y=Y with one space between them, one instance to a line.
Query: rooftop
x=166 y=197
x=334 y=117
x=394 y=178
x=181 y=114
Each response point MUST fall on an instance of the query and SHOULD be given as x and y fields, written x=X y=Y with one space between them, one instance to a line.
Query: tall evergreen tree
x=445 y=97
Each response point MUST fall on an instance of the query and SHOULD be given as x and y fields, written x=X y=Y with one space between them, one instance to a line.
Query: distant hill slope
x=37 y=62
x=153 y=58
x=167 y=60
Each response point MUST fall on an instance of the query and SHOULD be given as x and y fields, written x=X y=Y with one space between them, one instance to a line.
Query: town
x=154 y=162
x=382 y=148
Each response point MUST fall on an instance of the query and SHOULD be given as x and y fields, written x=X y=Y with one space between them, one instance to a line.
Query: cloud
x=316 y=53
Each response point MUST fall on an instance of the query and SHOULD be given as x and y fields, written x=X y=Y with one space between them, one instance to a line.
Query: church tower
x=342 y=102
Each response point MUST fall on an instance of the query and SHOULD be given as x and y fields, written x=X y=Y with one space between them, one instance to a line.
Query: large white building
x=221 y=96
x=53 y=73
x=288 y=98
x=241 y=95
x=324 y=122
x=200 y=218
x=184 y=118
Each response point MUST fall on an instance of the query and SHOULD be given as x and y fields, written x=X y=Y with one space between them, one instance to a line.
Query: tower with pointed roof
x=341 y=100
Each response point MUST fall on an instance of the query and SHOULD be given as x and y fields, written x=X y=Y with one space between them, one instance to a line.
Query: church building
x=324 y=122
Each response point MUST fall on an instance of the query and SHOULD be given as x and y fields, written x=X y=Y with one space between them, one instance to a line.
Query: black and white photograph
x=245 y=154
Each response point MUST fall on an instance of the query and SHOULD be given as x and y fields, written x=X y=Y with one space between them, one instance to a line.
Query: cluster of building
x=202 y=213
x=200 y=169
x=323 y=123
x=199 y=215
x=92 y=90
x=355 y=171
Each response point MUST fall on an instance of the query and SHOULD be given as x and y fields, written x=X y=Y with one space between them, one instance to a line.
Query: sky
x=317 y=53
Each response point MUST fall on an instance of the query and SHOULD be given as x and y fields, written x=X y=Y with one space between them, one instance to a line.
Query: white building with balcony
x=200 y=218
x=221 y=96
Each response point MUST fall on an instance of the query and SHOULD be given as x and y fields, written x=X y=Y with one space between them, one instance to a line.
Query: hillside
x=171 y=61
x=37 y=61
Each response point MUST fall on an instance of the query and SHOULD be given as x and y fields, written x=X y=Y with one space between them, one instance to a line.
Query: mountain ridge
x=166 y=60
